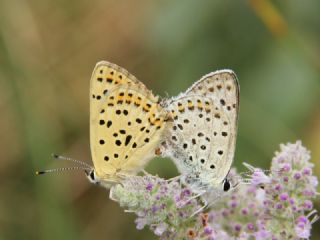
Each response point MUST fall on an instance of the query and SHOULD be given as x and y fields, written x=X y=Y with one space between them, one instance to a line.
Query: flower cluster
x=272 y=206
x=164 y=205
x=292 y=189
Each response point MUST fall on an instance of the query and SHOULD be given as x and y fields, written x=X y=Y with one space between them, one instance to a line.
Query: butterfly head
x=96 y=179
x=221 y=187
x=226 y=185
x=92 y=176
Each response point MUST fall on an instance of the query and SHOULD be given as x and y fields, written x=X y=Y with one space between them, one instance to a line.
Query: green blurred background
x=49 y=48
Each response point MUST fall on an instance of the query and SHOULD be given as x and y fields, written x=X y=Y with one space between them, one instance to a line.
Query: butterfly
x=126 y=125
x=202 y=139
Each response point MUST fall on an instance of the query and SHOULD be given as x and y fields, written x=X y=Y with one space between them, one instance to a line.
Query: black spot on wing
x=128 y=139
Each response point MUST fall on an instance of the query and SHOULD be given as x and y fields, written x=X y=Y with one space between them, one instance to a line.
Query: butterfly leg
x=201 y=209
x=174 y=179
x=148 y=174
x=198 y=211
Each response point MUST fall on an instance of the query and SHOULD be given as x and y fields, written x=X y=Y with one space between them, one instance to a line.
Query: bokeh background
x=49 y=48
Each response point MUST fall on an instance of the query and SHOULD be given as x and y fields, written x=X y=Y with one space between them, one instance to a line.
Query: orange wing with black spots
x=126 y=122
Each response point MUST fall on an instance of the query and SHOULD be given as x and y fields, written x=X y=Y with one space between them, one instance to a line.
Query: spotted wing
x=188 y=141
x=126 y=121
x=207 y=114
x=222 y=88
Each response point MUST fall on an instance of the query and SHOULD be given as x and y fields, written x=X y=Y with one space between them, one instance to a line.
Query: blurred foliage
x=48 y=50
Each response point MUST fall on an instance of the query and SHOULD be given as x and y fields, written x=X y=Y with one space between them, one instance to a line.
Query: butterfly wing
x=204 y=144
x=223 y=89
x=126 y=122
x=188 y=142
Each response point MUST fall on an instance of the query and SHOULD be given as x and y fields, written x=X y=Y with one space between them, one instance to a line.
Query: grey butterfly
x=202 y=138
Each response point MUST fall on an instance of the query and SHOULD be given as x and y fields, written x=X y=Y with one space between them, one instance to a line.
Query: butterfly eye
x=226 y=185
x=92 y=176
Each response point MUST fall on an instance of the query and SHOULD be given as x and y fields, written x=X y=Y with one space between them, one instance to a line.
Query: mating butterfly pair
x=129 y=126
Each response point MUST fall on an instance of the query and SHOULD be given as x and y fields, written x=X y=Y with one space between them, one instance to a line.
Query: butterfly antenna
x=246 y=181
x=61 y=170
x=242 y=178
x=58 y=157
x=253 y=169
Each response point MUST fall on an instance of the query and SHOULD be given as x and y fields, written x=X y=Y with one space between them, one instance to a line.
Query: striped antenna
x=82 y=165
x=58 y=157
x=55 y=170
x=253 y=169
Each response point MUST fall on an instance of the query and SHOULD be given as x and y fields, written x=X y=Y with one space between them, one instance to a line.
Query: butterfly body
x=126 y=124
x=202 y=138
